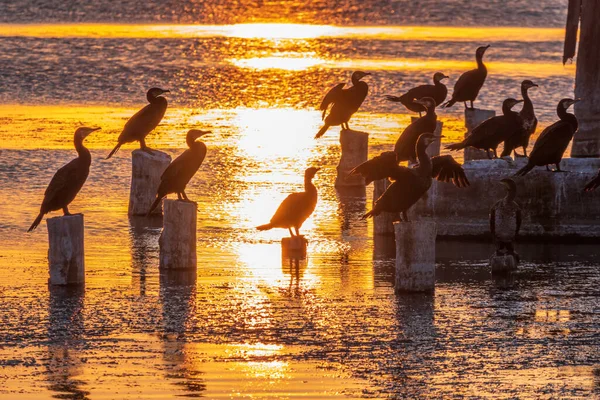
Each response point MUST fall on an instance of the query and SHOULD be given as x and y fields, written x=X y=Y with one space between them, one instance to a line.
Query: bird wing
x=142 y=122
x=447 y=169
x=379 y=167
x=175 y=168
x=288 y=207
x=463 y=81
x=331 y=97
x=420 y=92
x=594 y=183
x=548 y=136
x=61 y=181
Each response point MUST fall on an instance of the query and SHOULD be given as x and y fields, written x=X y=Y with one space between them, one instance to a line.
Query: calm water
x=250 y=323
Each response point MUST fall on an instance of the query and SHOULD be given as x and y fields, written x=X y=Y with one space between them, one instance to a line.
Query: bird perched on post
x=296 y=208
x=550 y=147
x=505 y=220
x=68 y=180
x=406 y=143
x=182 y=169
x=529 y=121
x=345 y=102
x=410 y=184
x=594 y=183
x=493 y=131
x=144 y=121
x=468 y=85
x=438 y=91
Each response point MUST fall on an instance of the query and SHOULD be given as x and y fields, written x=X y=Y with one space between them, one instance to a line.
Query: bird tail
x=456 y=146
x=117 y=147
x=36 y=222
x=523 y=171
x=395 y=99
x=154 y=205
x=265 y=227
x=449 y=103
x=322 y=131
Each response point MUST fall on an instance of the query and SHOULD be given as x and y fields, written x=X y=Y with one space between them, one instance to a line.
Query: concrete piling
x=355 y=148
x=503 y=263
x=146 y=170
x=415 y=256
x=474 y=117
x=294 y=247
x=383 y=224
x=66 y=250
x=177 y=241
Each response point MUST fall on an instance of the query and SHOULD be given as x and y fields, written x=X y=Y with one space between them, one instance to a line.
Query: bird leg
x=466 y=107
x=297 y=231
x=525 y=152
x=179 y=196
x=145 y=148
x=548 y=168
x=291 y=233
x=472 y=108
x=489 y=153
x=66 y=211
x=420 y=114
x=185 y=198
x=495 y=153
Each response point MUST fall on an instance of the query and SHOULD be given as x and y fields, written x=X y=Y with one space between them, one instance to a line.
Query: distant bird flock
x=409 y=183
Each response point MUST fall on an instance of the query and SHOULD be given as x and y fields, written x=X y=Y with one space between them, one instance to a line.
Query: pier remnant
x=355 y=149
x=294 y=247
x=65 y=252
x=383 y=224
x=415 y=256
x=146 y=170
x=502 y=264
x=474 y=117
x=177 y=241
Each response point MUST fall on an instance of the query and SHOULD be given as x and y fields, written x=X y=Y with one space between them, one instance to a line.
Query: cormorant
x=505 y=219
x=68 y=180
x=493 y=131
x=438 y=91
x=554 y=140
x=468 y=85
x=405 y=145
x=410 y=184
x=529 y=121
x=345 y=102
x=182 y=169
x=594 y=183
x=144 y=121
x=296 y=208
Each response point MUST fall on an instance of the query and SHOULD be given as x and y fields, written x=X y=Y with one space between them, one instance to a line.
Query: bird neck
x=564 y=115
x=527 y=104
x=430 y=112
x=480 y=64
x=309 y=187
x=506 y=110
x=510 y=196
x=425 y=166
x=154 y=99
x=82 y=151
x=355 y=81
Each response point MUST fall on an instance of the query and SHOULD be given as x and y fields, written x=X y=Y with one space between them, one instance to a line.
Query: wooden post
x=294 y=247
x=415 y=256
x=474 y=117
x=434 y=148
x=146 y=169
x=383 y=224
x=355 y=148
x=587 y=83
x=177 y=241
x=503 y=264
x=65 y=253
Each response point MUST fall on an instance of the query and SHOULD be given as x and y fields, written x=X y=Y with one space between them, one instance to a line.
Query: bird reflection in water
x=295 y=267
x=352 y=203
x=178 y=300
x=65 y=335
x=144 y=233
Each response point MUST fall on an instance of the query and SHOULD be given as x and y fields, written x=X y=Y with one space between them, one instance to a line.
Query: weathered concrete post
x=434 y=148
x=587 y=80
x=65 y=253
x=177 y=241
x=355 y=149
x=294 y=247
x=503 y=263
x=146 y=169
x=474 y=117
x=383 y=224
x=415 y=256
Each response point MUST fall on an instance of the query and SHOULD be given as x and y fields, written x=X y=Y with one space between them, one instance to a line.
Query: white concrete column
x=66 y=251
x=383 y=224
x=177 y=241
x=474 y=117
x=355 y=149
x=415 y=256
x=146 y=170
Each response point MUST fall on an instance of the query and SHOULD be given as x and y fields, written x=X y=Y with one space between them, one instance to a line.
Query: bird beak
x=166 y=91
x=520 y=101
x=534 y=85
x=488 y=46
x=90 y=131
x=367 y=73
x=445 y=77
x=200 y=134
x=317 y=169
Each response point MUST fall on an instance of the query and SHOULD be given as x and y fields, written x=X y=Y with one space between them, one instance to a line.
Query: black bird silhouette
x=182 y=169
x=144 y=121
x=594 y=183
x=505 y=219
x=345 y=102
x=296 y=208
x=468 y=85
x=550 y=147
x=529 y=121
x=68 y=180
x=493 y=131
x=410 y=184
x=438 y=91
x=406 y=143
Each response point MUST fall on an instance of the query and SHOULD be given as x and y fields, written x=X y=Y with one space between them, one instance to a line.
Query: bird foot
x=559 y=170
x=147 y=150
